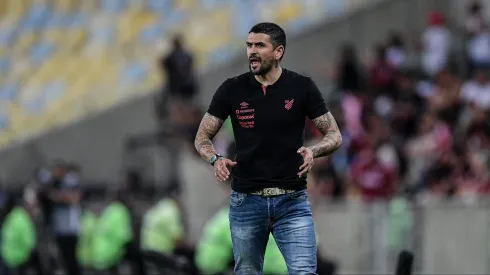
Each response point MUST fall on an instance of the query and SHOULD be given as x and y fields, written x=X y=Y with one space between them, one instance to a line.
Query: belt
x=269 y=192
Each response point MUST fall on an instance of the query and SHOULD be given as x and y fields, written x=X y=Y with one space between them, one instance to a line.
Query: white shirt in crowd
x=476 y=93
x=479 y=47
x=474 y=24
x=396 y=56
x=437 y=44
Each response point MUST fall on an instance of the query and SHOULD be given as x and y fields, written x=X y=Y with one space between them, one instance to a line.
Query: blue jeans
x=289 y=218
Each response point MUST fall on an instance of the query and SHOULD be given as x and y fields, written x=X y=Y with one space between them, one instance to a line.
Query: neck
x=271 y=77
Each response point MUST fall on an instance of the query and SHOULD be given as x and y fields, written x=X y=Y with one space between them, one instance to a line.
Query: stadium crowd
x=414 y=117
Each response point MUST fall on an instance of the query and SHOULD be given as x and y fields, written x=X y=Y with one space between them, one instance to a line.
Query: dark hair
x=396 y=40
x=276 y=33
x=475 y=7
x=177 y=41
x=348 y=53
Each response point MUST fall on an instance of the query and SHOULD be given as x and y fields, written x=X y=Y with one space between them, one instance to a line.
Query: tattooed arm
x=209 y=127
x=332 y=139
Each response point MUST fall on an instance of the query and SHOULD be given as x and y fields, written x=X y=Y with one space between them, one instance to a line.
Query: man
x=163 y=233
x=178 y=69
x=268 y=107
x=20 y=239
x=116 y=235
x=64 y=195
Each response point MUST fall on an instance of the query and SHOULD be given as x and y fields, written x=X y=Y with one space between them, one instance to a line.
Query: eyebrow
x=256 y=43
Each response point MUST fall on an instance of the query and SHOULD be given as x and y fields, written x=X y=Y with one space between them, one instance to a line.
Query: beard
x=261 y=67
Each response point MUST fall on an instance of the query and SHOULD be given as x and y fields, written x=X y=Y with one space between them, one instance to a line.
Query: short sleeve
x=316 y=105
x=220 y=106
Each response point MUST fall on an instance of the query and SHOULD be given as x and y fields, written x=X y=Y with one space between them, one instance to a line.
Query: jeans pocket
x=298 y=195
x=236 y=199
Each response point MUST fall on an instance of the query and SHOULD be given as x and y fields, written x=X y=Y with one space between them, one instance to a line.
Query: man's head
x=266 y=44
x=177 y=42
x=59 y=169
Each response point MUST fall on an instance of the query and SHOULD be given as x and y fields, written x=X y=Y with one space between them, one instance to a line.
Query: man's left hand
x=307 y=155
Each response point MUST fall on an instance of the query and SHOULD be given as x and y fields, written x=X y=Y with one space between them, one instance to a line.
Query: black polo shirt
x=269 y=125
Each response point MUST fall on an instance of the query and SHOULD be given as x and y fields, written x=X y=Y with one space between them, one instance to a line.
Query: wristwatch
x=214 y=158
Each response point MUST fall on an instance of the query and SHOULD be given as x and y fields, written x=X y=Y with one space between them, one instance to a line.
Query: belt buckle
x=269 y=192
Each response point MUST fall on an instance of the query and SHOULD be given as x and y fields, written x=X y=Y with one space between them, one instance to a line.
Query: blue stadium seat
x=34 y=105
x=151 y=33
x=9 y=91
x=244 y=20
x=221 y=55
x=63 y=20
x=4 y=65
x=132 y=74
x=4 y=121
x=7 y=36
x=36 y=16
x=212 y=4
x=104 y=35
x=160 y=6
x=113 y=6
x=77 y=19
x=53 y=91
x=173 y=19
x=40 y=52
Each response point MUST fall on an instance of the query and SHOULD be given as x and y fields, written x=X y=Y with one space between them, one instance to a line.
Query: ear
x=279 y=52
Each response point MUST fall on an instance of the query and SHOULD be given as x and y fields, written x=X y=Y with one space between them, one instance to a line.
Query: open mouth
x=254 y=62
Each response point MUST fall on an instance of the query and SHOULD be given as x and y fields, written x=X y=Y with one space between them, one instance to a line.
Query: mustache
x=254 y=58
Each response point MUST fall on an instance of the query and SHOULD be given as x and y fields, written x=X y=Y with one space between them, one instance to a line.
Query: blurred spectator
x=444 y=98
x=117 y=235
x=370 y=177
x=374 y=131
x=163 y=232
x=396 y=53
x=436 y=43
x=381 y=72
x=440 y=183
x=408 y=106
x=478 y=47
x=64 y=194
x=475 y=19
x=476 y=91
x=178 y=67
x=432 y=139
x=20 y=247
x=85 y=240
x=348 y=72
x=329 y=184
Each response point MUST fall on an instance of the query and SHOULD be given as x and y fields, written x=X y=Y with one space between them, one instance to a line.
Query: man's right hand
x=221 y=168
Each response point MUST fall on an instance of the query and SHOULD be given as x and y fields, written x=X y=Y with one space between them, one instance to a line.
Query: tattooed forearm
x=209 y=127
x=332 y=139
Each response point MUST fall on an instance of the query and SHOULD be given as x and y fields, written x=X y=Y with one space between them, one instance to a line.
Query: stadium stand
x=64 y=59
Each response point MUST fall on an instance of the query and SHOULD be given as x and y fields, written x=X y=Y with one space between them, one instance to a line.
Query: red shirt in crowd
x=374 y=180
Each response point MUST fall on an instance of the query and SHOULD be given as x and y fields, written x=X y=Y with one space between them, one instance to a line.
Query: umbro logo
x=244 y=105
x=288 y=104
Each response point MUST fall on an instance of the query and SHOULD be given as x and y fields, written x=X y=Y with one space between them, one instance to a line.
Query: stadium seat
x=76 y=57
x=4 y=65
x=9 y=91
x=41 y=52
x=63 y=6
x=113 y=6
